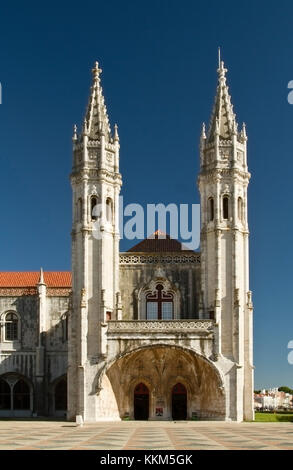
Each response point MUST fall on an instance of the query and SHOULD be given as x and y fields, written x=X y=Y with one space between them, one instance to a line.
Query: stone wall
x=180 y=270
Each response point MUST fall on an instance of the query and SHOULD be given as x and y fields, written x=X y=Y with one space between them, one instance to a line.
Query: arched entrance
x=179 y=402
x=5 y=395
x=21 y=396
x=16 y=396
x=159 y=368
x=60 y=397
x=141 y=402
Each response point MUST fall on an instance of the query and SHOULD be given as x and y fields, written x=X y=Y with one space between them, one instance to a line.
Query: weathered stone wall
x=181 y=271
x=40 y=360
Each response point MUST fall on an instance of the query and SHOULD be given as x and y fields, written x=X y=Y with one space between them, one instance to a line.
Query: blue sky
x=159 y=61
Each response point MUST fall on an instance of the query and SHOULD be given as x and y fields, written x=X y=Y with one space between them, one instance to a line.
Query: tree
x=285 y=389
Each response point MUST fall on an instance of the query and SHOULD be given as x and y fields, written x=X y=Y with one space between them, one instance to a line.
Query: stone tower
x=96 y=184
x=225 y=294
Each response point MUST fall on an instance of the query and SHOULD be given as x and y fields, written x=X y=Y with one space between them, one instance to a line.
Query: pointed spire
x=243 y=132
x=223 y=120
x=96 y=116
x=84 y=128
x=203 y=131
x=41 y=279
x=116 y=136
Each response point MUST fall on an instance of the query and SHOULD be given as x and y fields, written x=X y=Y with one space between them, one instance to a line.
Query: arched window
x=94 y=202
x=159 y=305
x=225 y=207
x=109 y=210
x=211 y=208
x=21 y=396
x=5 y=395
x=240 y=208
x=11 y=327
x=16 y=396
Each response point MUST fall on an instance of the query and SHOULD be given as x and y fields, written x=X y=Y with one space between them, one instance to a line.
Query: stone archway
x=16 y=396
x=160 y=368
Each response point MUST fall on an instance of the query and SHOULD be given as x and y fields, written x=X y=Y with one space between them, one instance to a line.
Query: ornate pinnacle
x=222 y=73
x=74 y=137
x=41 y=280
x=116 y=136
x=203 y=131
x=243 y=132
x=85 y=130
x=96 y=71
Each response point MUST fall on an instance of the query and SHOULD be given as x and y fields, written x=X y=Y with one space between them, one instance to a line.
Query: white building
x=154 y=333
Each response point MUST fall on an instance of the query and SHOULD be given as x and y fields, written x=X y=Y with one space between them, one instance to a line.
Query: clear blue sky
x=159 y=61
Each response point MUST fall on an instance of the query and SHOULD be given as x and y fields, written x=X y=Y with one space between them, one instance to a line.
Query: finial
x=74 y=138
x=116 y=136
x=84 y=127
x=243 y=131
x=96 y=71
x=41 y=280
x=221 y=68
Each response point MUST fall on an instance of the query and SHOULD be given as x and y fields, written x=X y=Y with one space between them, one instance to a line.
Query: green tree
x=285 y=389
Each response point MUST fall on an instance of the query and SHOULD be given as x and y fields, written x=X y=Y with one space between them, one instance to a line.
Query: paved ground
x=144 y=435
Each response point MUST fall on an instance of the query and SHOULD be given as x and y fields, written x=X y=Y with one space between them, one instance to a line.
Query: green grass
x=273 y=417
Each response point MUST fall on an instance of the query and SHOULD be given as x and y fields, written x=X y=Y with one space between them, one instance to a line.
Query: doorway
x=141 y=402
x=60 y=397
x=179 y=402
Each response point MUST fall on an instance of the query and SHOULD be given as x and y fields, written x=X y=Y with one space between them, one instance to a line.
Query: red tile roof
x=31 y=279
x=158 y=242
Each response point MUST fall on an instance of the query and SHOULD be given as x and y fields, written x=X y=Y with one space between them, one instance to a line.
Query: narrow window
x=11 y=327
x=109 y=210
x=211 y=209
x=64 y=323
x=79 y=210
x=240 y=209
x=94 y=202
x=225 y=207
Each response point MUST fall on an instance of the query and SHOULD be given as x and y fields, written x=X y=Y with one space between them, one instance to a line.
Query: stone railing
x=161 y=326
x=181 y=258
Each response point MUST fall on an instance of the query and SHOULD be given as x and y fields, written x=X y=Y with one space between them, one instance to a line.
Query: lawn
x=273 y=417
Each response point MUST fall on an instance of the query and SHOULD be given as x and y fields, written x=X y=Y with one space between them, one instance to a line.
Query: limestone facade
x=153 y=333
